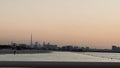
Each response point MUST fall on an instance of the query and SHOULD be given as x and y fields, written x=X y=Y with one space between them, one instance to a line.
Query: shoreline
x=40 y=51
x=23 y=51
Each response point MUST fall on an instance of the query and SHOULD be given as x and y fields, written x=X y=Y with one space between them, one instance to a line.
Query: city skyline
x=93 y=23
x=32 y=43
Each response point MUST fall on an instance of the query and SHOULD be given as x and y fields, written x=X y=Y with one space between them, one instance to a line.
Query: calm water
x=64 y=57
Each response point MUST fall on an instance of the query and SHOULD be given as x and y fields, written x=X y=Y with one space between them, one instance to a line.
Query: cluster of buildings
x=48 y=46
x=44 y=46
x=115 y=48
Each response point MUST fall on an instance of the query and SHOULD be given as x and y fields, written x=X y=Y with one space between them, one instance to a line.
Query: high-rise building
x=31 y=40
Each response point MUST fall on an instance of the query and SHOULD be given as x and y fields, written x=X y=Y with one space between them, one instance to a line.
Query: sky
x=93 y=23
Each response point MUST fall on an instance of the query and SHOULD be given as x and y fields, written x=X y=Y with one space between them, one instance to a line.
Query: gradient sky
x=94 y=23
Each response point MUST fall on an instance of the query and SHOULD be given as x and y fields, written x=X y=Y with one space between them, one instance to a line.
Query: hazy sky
x=94 y=23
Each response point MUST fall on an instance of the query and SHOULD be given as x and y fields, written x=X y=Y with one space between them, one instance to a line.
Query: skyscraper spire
x=31 y=40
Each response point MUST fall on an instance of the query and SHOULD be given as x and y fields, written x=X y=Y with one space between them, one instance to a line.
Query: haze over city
x=93 y=23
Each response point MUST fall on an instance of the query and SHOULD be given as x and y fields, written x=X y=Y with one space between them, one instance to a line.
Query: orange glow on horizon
x=94 y=23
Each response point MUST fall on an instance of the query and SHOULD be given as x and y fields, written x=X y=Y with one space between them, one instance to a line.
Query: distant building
x=39 y=46
x=31 y=42
x=49 y=46
x=6 y=47
x=36 y=44
x=44 y=44
x=115 y=48
x=67 y=48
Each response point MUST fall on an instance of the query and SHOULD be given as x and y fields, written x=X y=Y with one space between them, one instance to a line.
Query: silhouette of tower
x=31 y=43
